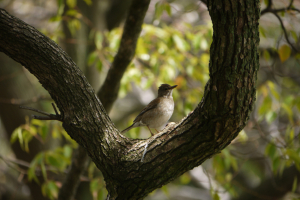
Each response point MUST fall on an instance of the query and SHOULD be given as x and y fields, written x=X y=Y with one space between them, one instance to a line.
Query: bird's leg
x=156 y=130
x=150 y=131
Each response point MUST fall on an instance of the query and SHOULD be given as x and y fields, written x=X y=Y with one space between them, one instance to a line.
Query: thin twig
x=285 y=32
x=48 y=115
x=269 y=9
x=35 y=110
x=54 y=107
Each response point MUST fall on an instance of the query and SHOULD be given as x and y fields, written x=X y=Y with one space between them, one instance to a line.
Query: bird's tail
x=127 y=129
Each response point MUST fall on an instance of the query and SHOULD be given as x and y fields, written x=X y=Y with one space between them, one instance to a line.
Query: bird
x=158 y=112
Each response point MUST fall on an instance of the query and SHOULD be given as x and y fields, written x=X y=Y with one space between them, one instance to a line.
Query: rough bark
x=219 y=117
x=131 y=32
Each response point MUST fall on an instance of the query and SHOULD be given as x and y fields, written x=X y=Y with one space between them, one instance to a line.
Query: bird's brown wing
x=153 y=104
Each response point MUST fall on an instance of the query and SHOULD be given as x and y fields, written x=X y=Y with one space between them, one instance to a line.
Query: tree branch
x=269 y=9
x=131 y=32
x=228 y=99
x=285 y=32
x=133 y=26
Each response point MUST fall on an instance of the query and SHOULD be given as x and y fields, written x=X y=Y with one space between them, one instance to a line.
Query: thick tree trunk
x=219 y=117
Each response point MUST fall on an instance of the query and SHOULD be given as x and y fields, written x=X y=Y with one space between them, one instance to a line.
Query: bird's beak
x=172 y=87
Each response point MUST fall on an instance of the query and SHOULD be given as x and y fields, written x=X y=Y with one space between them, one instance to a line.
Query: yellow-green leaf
x=284 y=52
x=71 y=3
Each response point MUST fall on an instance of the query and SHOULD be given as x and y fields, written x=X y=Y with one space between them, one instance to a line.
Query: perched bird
x=157 y=112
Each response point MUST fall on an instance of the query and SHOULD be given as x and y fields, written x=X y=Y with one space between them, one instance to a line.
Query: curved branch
x=108 y=95
x=285 y=32
x=269 y=9
x=222 y=113
x=270 y=4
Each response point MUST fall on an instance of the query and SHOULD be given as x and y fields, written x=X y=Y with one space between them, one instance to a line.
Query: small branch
x=285 y=32
x=47 y=117
x=55 y=110
x=269 y=9
x=270 y=4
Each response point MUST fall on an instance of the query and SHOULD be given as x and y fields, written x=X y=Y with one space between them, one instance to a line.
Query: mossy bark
x=222 y=113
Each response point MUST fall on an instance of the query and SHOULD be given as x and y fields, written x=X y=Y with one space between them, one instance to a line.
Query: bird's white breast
x=161 y=117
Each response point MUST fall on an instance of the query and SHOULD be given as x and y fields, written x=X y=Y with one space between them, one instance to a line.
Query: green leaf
x=293 y=155
x=266 y=2
x=61 y=7
x=92 y=58
x=44 y=172
x=44 y=131
x=31 y=174
x=15 y=135
x=271 y=116
x=55 y=18
x=179 y=42
x=165 y=190
x=266 y=105
x=294 y=35
x=72 y=12
x=99 y=40
x=50 y=189
x=54 y=161
x=294 y=184
x=276 y=163
x=71 y=3
x=99 y=65
x=185 y=179
x=168 y=9
x=266 y=55
x=88 y=2
x=67 y=151
x=271 y=150
x=216 y=196
x=284 y=52
x=262 y=31
x=159 y=8
x=289 y=112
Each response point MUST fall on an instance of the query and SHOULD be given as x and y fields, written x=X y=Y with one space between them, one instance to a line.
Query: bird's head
x=165 y=90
